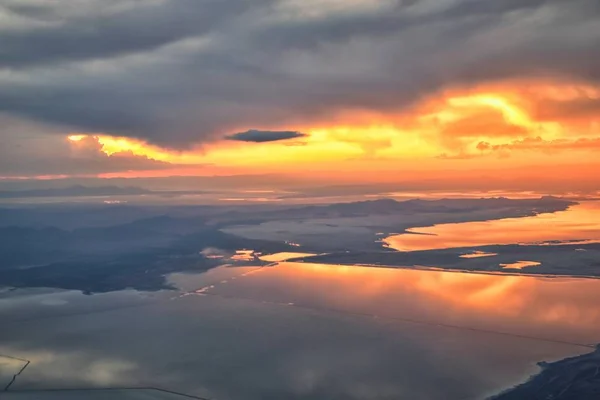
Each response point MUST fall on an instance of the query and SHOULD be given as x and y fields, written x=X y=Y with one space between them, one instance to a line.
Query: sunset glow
x=508 y=301
x=551 y=229
x=514 y=103
x=451 y=130
x=341 y=198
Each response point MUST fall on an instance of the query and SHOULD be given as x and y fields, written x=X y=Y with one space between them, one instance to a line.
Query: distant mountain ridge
x=81 y=191
x=137 y=246
x=389 y=206
x=75 y=190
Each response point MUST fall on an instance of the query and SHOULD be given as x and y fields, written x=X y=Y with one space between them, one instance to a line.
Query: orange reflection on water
x=284 y=256
x=243 y=255
x=580 y=222
x=362 y=283
x=520 y=265
x=478 y=254
x=556 y=309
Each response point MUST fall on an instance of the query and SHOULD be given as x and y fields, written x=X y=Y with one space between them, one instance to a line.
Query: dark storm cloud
x=30 y=149
x=257 y=136
x=181 y=72
x=77 y=30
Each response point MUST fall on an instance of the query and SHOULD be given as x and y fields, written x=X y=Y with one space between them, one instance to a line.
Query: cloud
x=459 y=156
x=457 y=135
x=53 y=32
x=257 y=136
x=188 y=73
x=538 y=143
x=584 y=109
x=30 y=149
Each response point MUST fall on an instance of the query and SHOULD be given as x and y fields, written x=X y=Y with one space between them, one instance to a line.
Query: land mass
x=114 y=250
x=578 y=260
x=575 y=378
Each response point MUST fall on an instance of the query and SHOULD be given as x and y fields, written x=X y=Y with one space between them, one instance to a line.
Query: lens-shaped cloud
x=257 y=136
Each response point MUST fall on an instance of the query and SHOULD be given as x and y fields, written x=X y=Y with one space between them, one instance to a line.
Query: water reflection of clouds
x=245 y=339
x=520 y=264
x=48 y=368
x=234 y=348
x=9 y=367
x=579 y=224
x=554 y=309
x=228 y=347
x=283 y=256
x=243 y=255
x=478 y=254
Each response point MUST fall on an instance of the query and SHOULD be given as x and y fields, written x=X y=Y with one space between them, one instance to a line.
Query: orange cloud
x=458 y=135
x=463 y=129
x=538 y=143
x=111 y=146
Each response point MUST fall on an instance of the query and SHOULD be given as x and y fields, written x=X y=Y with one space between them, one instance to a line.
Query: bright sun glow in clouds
x=490 y=124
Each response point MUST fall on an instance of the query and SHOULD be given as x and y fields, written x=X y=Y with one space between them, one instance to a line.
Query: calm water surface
x=305 y=331
x=580 y=223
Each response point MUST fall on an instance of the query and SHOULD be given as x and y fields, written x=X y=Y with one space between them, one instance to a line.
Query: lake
x=304 y=331
x=578 y=224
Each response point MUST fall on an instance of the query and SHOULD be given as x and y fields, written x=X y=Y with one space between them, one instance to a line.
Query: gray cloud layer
x=178 y=72
x=29 y=149
x=257 y=136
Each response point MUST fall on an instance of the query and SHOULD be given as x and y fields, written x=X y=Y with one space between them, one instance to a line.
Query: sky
x=463 y=92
